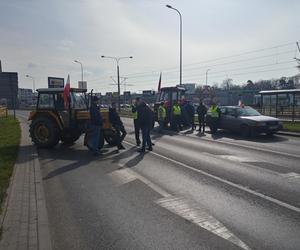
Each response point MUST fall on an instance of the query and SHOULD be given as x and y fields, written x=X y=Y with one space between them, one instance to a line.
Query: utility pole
x=117 y=59
x=206 y=76
x=180 y=43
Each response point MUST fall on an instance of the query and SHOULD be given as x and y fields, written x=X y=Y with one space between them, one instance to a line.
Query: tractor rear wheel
x=44 y=132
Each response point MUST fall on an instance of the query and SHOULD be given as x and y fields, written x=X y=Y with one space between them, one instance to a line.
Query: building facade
x=9 y=89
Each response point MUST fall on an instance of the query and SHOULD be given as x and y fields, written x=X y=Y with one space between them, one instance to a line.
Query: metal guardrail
x=3 y=111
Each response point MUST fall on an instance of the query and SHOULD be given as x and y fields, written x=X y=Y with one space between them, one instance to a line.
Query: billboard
x=82 y=84
x=56 y=82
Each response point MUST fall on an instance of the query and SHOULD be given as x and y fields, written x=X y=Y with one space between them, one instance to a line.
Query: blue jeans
x=95 y=137
x=146 y=138
x=161 y=124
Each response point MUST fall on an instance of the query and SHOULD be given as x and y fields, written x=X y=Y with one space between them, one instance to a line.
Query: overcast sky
x=42 y=38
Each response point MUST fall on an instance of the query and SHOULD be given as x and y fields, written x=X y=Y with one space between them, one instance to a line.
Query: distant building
x=9 y=88
x=26 y=97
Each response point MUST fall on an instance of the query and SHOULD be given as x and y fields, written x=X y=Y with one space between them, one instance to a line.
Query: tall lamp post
x=33 y=82
x=117 y=59
x=81 y=69
x=206 y=76
x=180 y=52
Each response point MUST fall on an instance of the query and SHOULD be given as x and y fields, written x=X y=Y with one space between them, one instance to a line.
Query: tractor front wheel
x=44 y=132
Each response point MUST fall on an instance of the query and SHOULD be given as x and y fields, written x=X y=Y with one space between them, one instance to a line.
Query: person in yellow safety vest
x=161 y=116
x=215 y=114
x=135 y=121
x=176 y=116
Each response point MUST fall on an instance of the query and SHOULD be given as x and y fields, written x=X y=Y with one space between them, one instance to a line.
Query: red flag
x=159 y=82
x=67 y=93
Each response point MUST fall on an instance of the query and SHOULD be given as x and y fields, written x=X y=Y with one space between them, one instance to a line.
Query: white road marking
x=238 y=186
x=122 y=176
x=191 y=212
x=180 y=206
x=245 y=146
x=237 y=158
x=126 y=175
x=291 y=175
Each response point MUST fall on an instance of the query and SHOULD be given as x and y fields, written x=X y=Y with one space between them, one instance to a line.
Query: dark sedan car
x=246 y=121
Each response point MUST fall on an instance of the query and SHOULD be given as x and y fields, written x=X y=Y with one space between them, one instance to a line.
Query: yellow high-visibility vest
x=176 y=110
x=161 y=113
x=214 y=112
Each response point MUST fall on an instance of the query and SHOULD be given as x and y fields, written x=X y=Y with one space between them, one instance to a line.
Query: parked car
x=246 y=121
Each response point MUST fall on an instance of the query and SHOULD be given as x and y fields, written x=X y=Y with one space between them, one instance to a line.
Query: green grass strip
x=10 y=134
x=291 y=126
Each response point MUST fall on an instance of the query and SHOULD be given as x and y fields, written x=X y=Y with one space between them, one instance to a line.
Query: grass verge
x=10 y=134
x=291 y=126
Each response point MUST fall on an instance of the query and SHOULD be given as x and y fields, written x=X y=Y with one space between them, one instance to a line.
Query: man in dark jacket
x=191 y=114
x=117 y=124
x=135 y=121
x=201 y=110
x=96 y=125
x=145 y=120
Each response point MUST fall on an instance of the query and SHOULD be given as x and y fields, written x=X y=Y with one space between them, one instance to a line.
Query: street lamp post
x=117 y=59
x=180 y=50
x=33 y=82
x=81 y=69
x=206 y=76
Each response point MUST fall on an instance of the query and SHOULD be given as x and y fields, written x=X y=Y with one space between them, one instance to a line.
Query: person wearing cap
x=96 y=124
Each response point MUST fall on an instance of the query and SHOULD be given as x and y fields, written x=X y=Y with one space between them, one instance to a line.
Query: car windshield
x=78 y=100
x=247 y=111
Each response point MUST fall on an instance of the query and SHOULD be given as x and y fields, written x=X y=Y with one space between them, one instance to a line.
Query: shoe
x=121 y=147
x=138 y=144
x=152 y=144
x=141 y=150
x=150 y=149
x=97 y=153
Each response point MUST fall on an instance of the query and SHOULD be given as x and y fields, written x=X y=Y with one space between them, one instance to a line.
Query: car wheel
x=245 y=130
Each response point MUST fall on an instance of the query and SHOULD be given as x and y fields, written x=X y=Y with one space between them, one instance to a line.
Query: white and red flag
x=67 y=93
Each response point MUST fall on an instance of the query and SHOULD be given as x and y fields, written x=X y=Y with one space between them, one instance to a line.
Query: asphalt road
x=191 y=192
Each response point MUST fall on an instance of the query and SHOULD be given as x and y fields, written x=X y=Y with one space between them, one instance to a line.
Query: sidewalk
x=24 y=219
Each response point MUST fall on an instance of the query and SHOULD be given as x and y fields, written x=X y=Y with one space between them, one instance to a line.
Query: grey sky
x=42 y=38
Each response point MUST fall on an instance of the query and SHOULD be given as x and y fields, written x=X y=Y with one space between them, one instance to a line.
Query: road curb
x=44 y=239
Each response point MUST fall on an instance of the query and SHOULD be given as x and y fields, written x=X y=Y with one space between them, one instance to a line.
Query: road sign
x=56 y=82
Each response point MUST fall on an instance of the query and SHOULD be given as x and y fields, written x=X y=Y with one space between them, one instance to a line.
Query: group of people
x=96 y=124
x=181 y=114
x=143 y=121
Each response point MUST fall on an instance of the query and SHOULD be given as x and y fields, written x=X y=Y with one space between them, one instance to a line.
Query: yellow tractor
x=51 y=122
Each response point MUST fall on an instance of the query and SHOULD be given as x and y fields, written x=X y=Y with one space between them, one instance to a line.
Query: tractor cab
x=168 y=95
